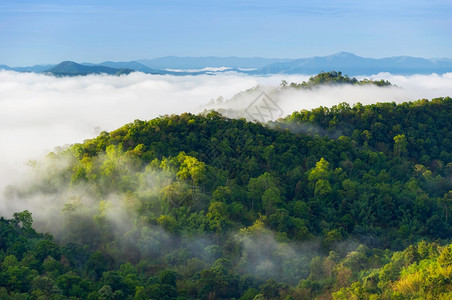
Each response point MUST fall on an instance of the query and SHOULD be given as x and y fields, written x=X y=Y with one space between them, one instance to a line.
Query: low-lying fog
x=39 y=112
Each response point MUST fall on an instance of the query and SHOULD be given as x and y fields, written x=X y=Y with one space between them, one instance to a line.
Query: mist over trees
x=341 y=202
x=332 y=78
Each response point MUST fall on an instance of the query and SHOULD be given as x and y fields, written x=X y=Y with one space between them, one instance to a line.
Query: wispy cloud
x=38 y=112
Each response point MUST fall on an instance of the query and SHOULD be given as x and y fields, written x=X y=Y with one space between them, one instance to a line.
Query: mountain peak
x=343 y=54
x=68 y=62
x=70 y=68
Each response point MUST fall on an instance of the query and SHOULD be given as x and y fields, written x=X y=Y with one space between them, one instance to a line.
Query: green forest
x=342 y=202
x=332 y=78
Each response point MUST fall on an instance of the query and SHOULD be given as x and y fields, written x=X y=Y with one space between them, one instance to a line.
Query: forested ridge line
x=202 y=206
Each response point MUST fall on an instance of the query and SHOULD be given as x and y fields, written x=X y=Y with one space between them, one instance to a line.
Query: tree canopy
x=343 y=202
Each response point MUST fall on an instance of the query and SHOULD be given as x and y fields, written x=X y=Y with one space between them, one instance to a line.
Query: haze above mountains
x=348 y=63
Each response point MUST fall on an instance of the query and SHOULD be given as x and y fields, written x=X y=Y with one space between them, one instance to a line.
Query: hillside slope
x=201 y=206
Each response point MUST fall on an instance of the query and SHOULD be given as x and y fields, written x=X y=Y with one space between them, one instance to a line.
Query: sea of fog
x=40 y=112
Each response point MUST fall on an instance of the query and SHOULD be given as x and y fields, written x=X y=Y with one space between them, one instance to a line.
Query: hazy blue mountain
x=355 y=65
x=441 y=61
x=345 y=62
x=133 y=65
x=175 y=62
x=33 y=69
x=70 y=68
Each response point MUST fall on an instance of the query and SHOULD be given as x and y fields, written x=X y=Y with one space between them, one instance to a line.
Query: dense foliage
x=201 y=206
x=330 y=78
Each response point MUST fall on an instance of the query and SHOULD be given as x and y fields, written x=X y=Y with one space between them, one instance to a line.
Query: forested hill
x=205 y=207
x=421 y=128
x=332 y=78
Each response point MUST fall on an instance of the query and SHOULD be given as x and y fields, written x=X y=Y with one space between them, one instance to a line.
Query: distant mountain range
x=196 y=63
x=354 y=65
x=345 y=62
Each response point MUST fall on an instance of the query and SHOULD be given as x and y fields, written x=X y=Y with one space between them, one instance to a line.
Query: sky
x=43 y=32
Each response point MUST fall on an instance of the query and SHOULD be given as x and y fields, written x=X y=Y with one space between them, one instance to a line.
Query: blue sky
x=37 y=32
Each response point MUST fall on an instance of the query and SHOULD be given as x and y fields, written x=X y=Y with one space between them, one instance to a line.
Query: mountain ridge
x=346 y=62
x=70 y=68
x=356 y=65
x=239 y=210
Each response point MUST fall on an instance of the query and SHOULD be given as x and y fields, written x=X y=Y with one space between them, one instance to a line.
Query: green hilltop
x=342 y=202
x=333 y=78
